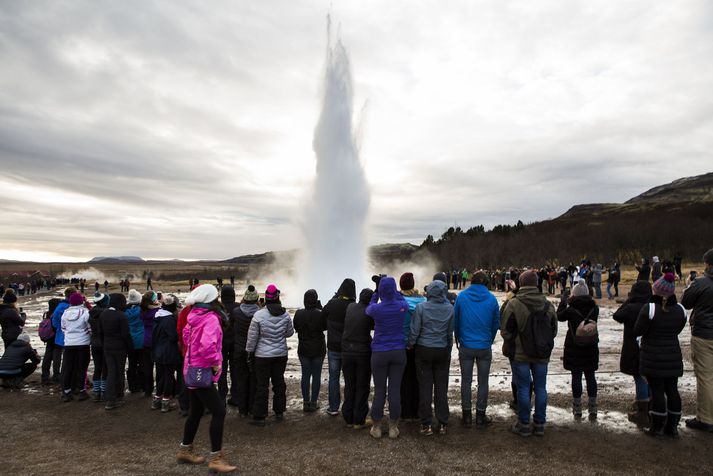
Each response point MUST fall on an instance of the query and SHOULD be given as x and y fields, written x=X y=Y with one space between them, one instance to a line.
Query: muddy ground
x=40 y=435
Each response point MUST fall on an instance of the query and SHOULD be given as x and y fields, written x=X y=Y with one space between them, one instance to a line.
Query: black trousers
x=228 y=368
x=75 y=361
x=147 y=384
x=409 y=388
x=99 y=365
x=115 y=362
x=25 y=371
x=200 y=399
x=245 y=383
x=51 y=360
x=181 y=390
x=165 y=380
x=357 y=384
x=664 y=395
x=135 y=372
x=270 y=370
x=433 y=365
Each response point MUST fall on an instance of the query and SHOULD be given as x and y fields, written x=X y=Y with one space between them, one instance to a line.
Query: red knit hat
x=406 y=282
x=76 y=299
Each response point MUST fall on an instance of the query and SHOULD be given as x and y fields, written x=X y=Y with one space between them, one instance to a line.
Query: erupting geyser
x=335 y=217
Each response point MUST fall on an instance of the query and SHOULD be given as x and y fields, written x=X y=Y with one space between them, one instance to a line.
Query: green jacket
x=519 y=308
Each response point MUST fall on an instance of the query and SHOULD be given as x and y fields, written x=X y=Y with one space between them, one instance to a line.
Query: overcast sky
x=181 y=129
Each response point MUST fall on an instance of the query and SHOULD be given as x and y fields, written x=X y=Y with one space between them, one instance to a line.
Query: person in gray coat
x=267 y=338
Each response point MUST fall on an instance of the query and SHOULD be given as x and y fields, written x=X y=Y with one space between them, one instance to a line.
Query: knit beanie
x=170 y=303
x=134 y=297
x=24 y=337
x=101 y=300
x=9 y=297
x=76 y=299
x=580 y=289
x=406 y=282
x=205 y=293
x=479 y=277
x=440 y=277
x=117 y=301
x=251 y=295
x=665 y=286
x=272 y=293
x=708 y=257
x=528 y=278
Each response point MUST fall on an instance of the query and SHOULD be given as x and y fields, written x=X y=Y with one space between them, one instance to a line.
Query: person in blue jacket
x=409 y=382
x=58 y=349
x=477 y=321
x=134 y=372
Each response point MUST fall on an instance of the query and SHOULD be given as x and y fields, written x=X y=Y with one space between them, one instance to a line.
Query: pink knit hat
x=665 y=286
x=76 y=299
x=272 y=293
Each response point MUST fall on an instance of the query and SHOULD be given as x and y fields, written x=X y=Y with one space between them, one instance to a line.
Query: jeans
x=467 y=358
x=200 y=399
x=642 y=389
x=409 y=387
x=525 y=373
x=311 y=376
x=387 y=367
x=432 y=365
x=335 y=368
x=664 y=395
x=597 y=290
x=268 y=370
x=357 y=384
x=609 y=294
x=577 y=383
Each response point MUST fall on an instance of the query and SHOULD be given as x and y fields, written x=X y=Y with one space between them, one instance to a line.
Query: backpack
x=586 y=333
x=537 y=338
x=45 y=329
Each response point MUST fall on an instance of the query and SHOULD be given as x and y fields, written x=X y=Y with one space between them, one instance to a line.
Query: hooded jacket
x=165 y=339
x=356 y=338
x=387 y=308
x=11 y=322
x=573 y=312
x=477 y=317
x=660 y=355
x=627 y=314
x=136 y=326
x=310 y=326
x=75 y=326
x=334 y=312
x=203 y=337
x=114 y=331
x=268 y=332
x=57 y=322
x=527 y=299
x=699 y=297
x=432 y=321
x=242 y=317
x=16 y=355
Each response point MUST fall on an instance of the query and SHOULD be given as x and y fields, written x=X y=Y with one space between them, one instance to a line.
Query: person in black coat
x=644 y=270
x=11 y=320
x=14 y=365
x=580 y=357
x=165 y=353
x=101 y=302
x=116 y=341
x=334 y=312
x=227 y=297
x=661 y=361
x=627 y=314
x=310 y=325
x=245 y=383
x=356 y=361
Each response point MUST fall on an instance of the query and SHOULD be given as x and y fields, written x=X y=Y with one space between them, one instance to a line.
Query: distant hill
x=671 y=218
x=379 y=253
x=115 y=259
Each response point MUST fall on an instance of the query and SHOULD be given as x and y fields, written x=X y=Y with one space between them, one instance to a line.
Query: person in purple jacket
x=388 y=353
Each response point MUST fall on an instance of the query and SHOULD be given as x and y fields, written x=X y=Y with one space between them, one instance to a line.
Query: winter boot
x=166 y=405
x=96 y=390
x=671 y=427
x=156 y=403
x=218 y=464
x=640 y=415
x=592 y=407
x=577 y=408
x=467 y=418
x=375 y=431
x=481 y=419
x=657 y=424
x=393 y=429
x=306 y=406
x=186 y=455
x=538 y=429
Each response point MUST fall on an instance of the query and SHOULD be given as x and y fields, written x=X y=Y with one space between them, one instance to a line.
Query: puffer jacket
x=136 y=326
x=310 y=326
x=432 y=321
x=573 y=312
x=388 y=308
x=268 y=332
x=334 y=312
x=11 y=322
x=203 y=337
x=242 y=317
x=699 y=297
x=356 y=338
x=16 y=355
x=660 y=355
x=164 y=340
x=627 y=314
x=94 y=315
x=518 y=308
x=75 y=326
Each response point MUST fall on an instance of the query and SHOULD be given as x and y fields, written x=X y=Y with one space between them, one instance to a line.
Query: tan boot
x=186 y=455
x=375 y=431
x=393 y=429
x=218 y=464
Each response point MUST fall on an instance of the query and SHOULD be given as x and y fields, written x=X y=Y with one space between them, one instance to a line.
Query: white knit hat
x=204 y=293
x=134 y=297
x=580 y=289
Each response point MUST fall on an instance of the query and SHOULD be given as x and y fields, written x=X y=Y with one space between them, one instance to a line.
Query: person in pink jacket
x=203 y=337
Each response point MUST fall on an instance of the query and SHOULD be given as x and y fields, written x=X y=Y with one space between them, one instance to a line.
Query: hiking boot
x=522 y=429
x=696 y=424
x=306 y=407
x=218 y=464
x=156 y=403
x=442 y=429
x=467 y=418
x=657 y=424
x=592 y=407
x=66 y=397
x=481 y=419
x=332 y=412
x=314 y=406
x=98 y=397
x=640 y=413
x=375 y=431
x=393 y=429
x=358 y=426
x=166 y=406
x=82 y=396
x=186 y=455
x=577 y=408
x=426 y=430
x=671 y=427
x=538 y=429
x=112 y=405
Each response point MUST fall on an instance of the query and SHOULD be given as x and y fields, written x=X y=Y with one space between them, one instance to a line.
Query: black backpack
x=537 y=339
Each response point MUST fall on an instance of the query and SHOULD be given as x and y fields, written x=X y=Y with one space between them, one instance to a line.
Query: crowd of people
x=215 y=350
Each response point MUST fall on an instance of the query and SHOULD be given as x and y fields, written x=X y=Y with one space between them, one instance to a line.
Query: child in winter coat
x=165 y=353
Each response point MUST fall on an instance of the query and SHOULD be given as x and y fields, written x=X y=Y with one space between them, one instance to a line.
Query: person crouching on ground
x=165 y=353
x=14 y=365
x=661 y=361
x=431 y=335
x=77 y=337
x=311 y=349
x=267 y=338
x=203 y=338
